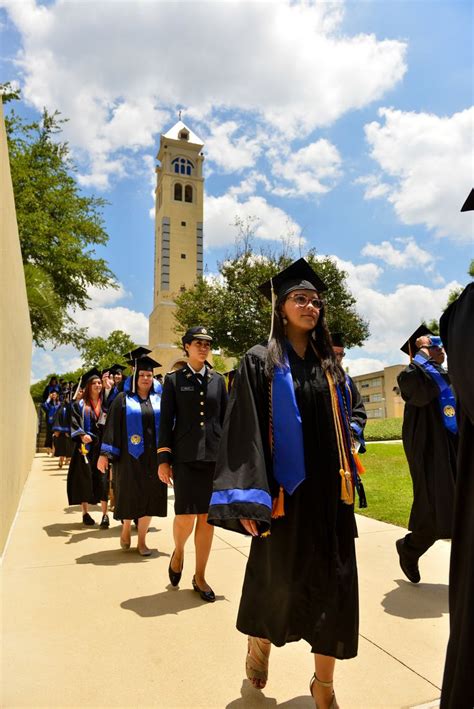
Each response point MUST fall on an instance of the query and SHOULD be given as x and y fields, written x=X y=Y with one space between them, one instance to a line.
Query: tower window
x=183 y=134
x=182 y=166
x=188 y=193
x=183 y=255
x=183 y=223
x=178 y=192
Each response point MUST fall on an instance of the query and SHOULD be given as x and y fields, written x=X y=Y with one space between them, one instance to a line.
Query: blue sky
x=348 y=124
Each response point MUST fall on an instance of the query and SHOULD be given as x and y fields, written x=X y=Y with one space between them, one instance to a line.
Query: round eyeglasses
x=302 y=301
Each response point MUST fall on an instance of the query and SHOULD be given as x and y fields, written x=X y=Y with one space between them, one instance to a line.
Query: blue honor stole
x=446 y=400
x=134 y=423
x=288 y=451
x=86 y=422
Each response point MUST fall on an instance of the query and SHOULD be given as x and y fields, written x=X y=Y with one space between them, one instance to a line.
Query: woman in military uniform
x=192 y=412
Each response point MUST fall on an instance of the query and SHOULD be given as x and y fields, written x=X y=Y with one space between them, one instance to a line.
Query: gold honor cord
x=347 y=488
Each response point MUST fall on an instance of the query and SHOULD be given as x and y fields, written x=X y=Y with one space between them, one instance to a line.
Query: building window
x=183 y=134
x=375 y=414
x=178 y=192
x=365 y=399
x=376 y=382
x=376 y=397
x=183 y=255
x=188 y=193
x=182 y=166
x=364 y=385
x=183 y=223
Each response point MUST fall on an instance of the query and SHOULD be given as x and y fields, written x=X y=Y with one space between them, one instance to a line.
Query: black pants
x=416 y=543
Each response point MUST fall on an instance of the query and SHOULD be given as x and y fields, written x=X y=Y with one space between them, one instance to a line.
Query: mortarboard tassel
x=278 y=505
x=358 y=462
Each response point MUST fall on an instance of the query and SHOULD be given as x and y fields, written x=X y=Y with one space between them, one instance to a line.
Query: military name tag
x=186 y=388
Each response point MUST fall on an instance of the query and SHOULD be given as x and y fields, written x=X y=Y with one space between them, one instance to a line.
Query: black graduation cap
x=138 y=352
x=410 y=347
x=146 y=364
x=468 y=205
x=117 y=368
x=298 y=275
x=104 y=371
x=93 y=373
x=337 y=339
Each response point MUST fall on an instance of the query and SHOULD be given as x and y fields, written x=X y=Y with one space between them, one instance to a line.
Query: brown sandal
x=327 y=685
x=256 y=664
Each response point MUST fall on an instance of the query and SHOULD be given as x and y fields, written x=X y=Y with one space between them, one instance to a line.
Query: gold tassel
x=278 y=506
x=358 y=462
x=347 y=490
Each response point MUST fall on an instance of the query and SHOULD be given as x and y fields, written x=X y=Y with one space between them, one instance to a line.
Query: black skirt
x=192 y=487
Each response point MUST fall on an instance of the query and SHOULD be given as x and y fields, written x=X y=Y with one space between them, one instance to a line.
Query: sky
x=347 y=126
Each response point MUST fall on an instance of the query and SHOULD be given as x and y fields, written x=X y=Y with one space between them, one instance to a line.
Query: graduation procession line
x=86 y=624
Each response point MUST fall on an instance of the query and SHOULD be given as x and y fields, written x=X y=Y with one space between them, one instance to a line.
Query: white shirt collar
x=202 y=371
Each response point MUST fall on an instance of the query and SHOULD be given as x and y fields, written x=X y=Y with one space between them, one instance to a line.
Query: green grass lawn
x=387 y=484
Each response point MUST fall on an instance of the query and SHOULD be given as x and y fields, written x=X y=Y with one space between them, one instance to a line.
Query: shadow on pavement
x=114 y=557
x=422 y=600
x=253 y=698
x=170 y=602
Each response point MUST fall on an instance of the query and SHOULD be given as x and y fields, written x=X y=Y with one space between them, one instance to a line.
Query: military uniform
x=192 y=414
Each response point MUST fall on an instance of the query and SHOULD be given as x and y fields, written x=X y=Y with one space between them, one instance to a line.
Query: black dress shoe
x=410 y=570
x=208 y=596
x=105 y=522
x=175 y=576
x=87 y=520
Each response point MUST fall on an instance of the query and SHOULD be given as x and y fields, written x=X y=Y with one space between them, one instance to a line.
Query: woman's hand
x=250 y=526
x=56 y=434
x=165 y=473
x=86 y=438
x=103 y=463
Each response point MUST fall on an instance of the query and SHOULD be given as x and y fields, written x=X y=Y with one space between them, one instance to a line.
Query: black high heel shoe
x=208 y=596
x=175 y=576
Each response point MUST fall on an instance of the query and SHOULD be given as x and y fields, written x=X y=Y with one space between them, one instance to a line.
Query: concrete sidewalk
x=88 y=625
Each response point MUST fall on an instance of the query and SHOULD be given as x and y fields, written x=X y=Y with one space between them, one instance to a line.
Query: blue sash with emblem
x=134 y=423
x=446 y=399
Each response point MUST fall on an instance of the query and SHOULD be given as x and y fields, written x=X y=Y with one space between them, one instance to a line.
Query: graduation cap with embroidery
x=410 y=347
x=138 y=352
x=299 y=275
x=468 y=205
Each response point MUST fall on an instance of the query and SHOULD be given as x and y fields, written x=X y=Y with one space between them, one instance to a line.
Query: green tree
x=58 y=226
x=103 y=352
x=239 y=316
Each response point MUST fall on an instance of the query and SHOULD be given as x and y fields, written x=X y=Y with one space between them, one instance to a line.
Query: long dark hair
x=319 y=336
x=88 y=389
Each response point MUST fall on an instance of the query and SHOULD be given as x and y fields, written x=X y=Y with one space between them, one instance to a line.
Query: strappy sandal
x=256 y=664
x=327 y=685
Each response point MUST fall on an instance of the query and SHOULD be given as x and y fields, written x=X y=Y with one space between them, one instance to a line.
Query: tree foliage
x=58 y=226
x=233 y=309
x=103 y=352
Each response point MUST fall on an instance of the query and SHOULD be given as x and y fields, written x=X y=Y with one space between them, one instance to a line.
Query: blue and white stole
x=287 y=427
x=134 y=422
x=446 y=400
x=86 y=422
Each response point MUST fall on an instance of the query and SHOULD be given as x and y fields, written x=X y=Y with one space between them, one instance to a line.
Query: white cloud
x=101 y=321
x=429 y=160
x=270 y=223
x=48 y=361
x=411 y=256
x=106 y=296
x=374 y=186
x=311 y=170
x=363 y=365
x=119 y=71
x=229 y=152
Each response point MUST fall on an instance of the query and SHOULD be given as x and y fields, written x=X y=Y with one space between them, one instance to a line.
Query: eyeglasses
x=302 y=301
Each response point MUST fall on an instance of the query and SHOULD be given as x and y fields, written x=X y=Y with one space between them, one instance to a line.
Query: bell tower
x=179 y=198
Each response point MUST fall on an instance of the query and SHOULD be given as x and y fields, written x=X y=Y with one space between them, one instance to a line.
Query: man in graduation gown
x=457 y=331
x=430 y=440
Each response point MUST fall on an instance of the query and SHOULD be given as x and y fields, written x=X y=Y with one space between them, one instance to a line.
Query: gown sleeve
x=77 y=425
x=242 y=485
x=358 y=415
x=416 y=387
x=112 y=438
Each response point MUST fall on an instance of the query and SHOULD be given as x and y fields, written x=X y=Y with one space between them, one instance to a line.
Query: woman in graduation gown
x=285 y=474
x=50 y=408
x=131 y=442
x=63 y=443
x=85 y=483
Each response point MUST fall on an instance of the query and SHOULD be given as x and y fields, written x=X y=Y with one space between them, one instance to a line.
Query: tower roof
x=176 y=132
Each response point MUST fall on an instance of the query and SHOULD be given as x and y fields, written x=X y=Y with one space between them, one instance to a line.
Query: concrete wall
x=17 y=412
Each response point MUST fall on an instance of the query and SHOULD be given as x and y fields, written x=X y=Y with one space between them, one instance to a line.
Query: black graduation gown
x=63 y=444
x=431 y=453
x=50 y=411
x=138 y=490
x=301 y=581
x=85 y=483
x=457 y=333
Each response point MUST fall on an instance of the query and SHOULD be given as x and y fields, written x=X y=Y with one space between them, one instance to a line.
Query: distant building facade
x=179 y=200
x=380 y=392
